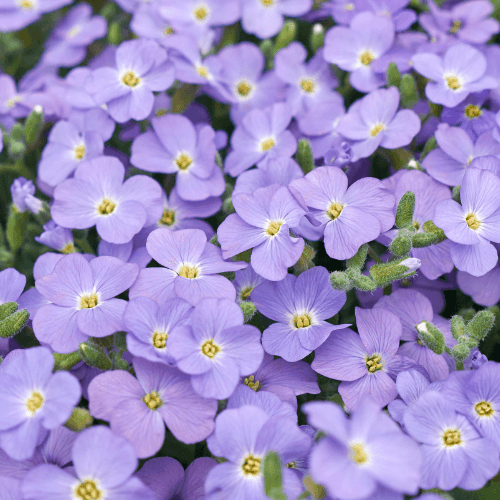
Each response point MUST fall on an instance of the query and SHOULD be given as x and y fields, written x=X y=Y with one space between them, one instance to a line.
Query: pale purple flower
x=361 y=453
x=32 y=400
x=300 y=305
x=262 y=222
x=484 y=290
x=375 y=121
x=21 y=191
x=261 y=136
x=350 y=216
x=175 y=146
x=191 y=267
x=140 y=407
x=454 y=76
x=244 y=282
x=218 y=349
x=97 y=196
x=56 y=237
x=12 y=284
x=475 y=223
x=103 y=464
x=81 y=300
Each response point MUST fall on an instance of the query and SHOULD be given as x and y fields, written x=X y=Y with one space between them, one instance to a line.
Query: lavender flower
x=349 y=216
x=218 y=349
x=97 y=196
x=361 y=453
x=454 y=453
x=102 y=464
x=454 y=76
x=22 y=191
x=374 y=121
x=368 y=363
x=140 y=407
x=244 y=282
x=191 y=264
x=484 y=290
x=12 y=284
x=32 y=400
x=175 y=146
x=300 y=306
x=472 y=225
x=262 y=222
x=56 y=237
x=81 y=300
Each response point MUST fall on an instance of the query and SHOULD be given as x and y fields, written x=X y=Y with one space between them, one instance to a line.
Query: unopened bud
x=94 y=356
x=408 y=91
x=7 y=309
x=431 y=337
x=393 y=76
x=14 y=323
x=272 y=472
x=479 y=326
x=412 y=264
x=460 y=352
x=406 y=207
x=364 y=283
x=458 y=329
x=66 y=361
x=455 y=194
x=477 y=360
x=421 y=240
x=340 y=281
x=304 y=156
x=34 y=124
x=286 y=36
x=317 y=37
x=248 y=309
x=79 y=420
x=227 y=206
x=430 y=227
x=358 y=261
x=385 y=274
x=400 y=246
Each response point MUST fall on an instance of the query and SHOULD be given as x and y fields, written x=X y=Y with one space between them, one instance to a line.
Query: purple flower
x=191 y=264
x=454 y=453
x=393 y=9
x=367 y=364
x=22 y=191
x=141 y=67
x=361 y=453
x=175 y=146
x=12 y=284
x=15 y=16
x=300 y=306
x=454 y=76
x=374 y=121
x=81 y=300
x=435 y=259
x=97 y=196
x=166 y=477
x=218 y=349
x=286 y=380
x=413 y=308
x=56 y=237
x=244 y=282
x=32 y=400
x=140 y=407
x=244 y=436
x=473 y=224
x=68 y=42
x=134 y=251
x=103 y=464
x=308 y=83
x=448 y=163
x=349 y=216
x=475 y=394
x=484 y=290
x=150 y=327
x=264 y=18
x=354 y=49
x=262 y=222
x=261 y=136
x=465 y=21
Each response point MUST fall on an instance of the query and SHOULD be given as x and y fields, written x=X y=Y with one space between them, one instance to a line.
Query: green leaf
x=304 y=156
x=393 y=76
x=272 y=473
x=79 y=420
x=94 y=356
x=404 y=212
x=408 y=91
x=16 y=227
x=14 y=323
x=7 y=309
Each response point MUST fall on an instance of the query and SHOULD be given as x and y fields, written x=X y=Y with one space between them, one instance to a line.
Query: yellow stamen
x=307 y=85
x=69 y=248
x=243 y=88
x=88 y=301
x=27 y=5
x=334 y=210
x=79 y=152
x=472 y=221
x=374 y=363
x=75 y=30
x=35 y=402
x=183 y=161
x=161 y=112
x=349 y=6
x=160 y=339
x=267 y=3
x=152 y=400
x=131 y=79
x=451 y=437
x=106 y=207
x=168 y=30
x=453 y=83
x=251 y=464
x=202 y=71
x=88 y=491
x=302 y=321
x=250 y=382
x=484 y=409
x=416 y=225
x=374 y=131
x=245 y=293
x=267 y=144
x=472 y=111
x=358 y=454
x=455 y=27
x=200 y=13
x=273 y=228
x=168 y=217
x=366 y=57
x=209 y=349
x=188 y=272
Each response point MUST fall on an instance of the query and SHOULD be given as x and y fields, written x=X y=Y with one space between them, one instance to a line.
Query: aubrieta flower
x=56 y=237
x=141 y=67
x=262 y=222
x=32 y=400
x=22 y=191
x=103 y=467
x=448 y=163
x=475 y=223
x=454 y=76
x=68 y=42
x=308 y=83
x=15 y=16
x=175 y=146
x=97 y=196
x=368 y=363
x=375 y=121
x=413 y=309
x=81 y=300
x=476 y=395
x=349 y=216
x=484 y=290
x=140 y=407
x=356 y=48
x=244 y=436
x=191 y=266
x=261 y=136
x=300 y=305
x=362 y=453
x=12 y=284
x=454 y=453
x=244 y=282
x=218 y=349
x=67 y=148
x=264 y=18
x=149 y=327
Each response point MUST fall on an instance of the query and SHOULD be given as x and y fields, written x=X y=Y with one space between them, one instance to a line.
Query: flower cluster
x=249 y=249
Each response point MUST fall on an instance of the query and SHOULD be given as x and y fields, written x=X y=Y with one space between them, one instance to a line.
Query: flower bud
x=406 y=207
x=286 y=36
x=94 y=356
x=458 y=329
x=79 y=420
x=7 y=309
x=227 y=206
x=393 y=76
x=364 y=283
x=317 y=37
x=305 y=261
x=400 y=246
x=248 y=309
x=421 y=240
x=14 y=323
x=273 y=477
x=479 y=326
x=408 y=91
x=340 y=281
x=358 y=261
x=305 y=156
x=34 y=124
x=66 y=361
x=431 y=337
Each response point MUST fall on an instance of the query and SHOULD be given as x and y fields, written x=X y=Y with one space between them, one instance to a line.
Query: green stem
x=374 y=255
x=84 y=245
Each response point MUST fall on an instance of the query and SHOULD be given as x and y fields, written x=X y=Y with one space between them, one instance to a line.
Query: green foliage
x=248 y=309
x=304 y=156
x=13 y=323
x=94 y=356
x=431 y=337
x=272 y=477
x=393 y=76
x=404 y=212
x=79 y=420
